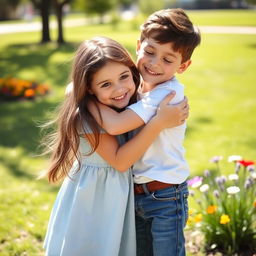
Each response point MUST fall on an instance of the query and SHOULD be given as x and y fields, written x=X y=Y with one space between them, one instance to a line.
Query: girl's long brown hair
x=64 y=142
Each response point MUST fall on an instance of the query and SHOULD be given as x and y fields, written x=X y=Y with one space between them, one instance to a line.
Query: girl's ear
x=184 y=66
x=138 y=46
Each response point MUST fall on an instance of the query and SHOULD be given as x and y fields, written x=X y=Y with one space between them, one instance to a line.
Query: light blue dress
x=93 y=214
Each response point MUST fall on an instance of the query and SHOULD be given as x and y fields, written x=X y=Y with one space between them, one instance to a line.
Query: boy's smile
x=158 y=63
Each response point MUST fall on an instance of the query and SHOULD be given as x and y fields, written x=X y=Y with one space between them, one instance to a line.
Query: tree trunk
x=58 y=5
x=43 y=6
x=59 y=16
x=44 y=9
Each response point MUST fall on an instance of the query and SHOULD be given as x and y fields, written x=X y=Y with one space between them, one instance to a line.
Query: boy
x=167 y=41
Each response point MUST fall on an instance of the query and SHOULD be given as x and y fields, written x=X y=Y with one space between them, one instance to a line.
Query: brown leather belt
x=151 y=187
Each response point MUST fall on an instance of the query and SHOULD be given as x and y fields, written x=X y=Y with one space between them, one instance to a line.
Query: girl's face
x=113 y=85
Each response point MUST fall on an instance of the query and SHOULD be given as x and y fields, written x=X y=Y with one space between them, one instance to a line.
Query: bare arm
x=123 y=157
x=113 y=122
x=116 y=123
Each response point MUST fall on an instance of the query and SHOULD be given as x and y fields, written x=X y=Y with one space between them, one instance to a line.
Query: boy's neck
x=147 y=87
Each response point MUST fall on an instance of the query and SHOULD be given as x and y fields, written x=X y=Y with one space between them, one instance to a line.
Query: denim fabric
x=160 y=219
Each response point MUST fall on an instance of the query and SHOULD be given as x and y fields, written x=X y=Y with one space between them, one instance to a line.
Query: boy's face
x=157 y=62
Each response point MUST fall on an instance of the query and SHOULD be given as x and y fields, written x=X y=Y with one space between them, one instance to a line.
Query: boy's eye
x=148 y=52
x=167 y=60
x=105 y=85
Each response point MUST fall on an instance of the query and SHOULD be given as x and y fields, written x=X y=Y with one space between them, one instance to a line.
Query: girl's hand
x=170 y=116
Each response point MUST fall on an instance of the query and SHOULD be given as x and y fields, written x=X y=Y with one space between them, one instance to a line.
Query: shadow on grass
x=13 y=167
x=196 y=124
x=252 y=45
x=19 y=123
x=17 y=58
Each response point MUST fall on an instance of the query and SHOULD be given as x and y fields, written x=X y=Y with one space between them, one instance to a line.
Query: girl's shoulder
x=84 y=127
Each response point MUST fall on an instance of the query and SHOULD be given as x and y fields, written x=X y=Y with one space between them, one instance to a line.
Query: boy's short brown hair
x=172 y=25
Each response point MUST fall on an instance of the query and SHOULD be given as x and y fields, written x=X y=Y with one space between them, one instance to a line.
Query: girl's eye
x=105 y=85
x=124 y=76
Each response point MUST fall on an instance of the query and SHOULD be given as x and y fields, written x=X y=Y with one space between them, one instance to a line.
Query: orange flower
x=14 y=88
x=211 y=209
x=224 y=219
x=254 y=204
x=198 y=217
x=29 y=93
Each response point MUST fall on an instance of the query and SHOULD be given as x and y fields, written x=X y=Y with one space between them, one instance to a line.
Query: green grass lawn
x=220 y=86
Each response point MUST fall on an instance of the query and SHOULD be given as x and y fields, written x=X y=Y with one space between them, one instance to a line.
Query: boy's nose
x=154 y=61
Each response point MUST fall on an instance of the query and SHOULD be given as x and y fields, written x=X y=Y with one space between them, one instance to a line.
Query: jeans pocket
x=163 y=195
x=185 y=203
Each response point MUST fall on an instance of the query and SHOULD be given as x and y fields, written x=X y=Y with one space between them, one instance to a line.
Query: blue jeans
x=160 y=219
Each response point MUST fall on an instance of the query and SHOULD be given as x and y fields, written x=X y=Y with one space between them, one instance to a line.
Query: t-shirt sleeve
x=146 y=107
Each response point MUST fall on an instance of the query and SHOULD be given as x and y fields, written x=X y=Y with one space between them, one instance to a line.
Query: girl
x=94 y=211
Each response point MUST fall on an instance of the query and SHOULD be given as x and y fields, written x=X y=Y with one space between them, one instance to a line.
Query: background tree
x=252 y=2
x=8 y=9
x=147 y=7
x=99 y=7
x=126 y=3
x=58 y=6
x=44 y=7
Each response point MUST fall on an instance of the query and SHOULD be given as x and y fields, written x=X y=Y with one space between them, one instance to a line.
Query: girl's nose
x=120 y=88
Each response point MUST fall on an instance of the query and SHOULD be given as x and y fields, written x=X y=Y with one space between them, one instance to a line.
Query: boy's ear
x=184 y=66
x=138 y=46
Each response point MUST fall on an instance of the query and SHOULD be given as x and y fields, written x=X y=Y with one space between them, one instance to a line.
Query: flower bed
x=14 y=89
x=226 y=213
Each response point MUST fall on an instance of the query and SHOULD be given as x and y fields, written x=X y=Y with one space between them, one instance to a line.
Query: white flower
x=233 y=177
x=234 y=158
x=197 y=184
x=253 y=175
x=233 y=190
x=204 y=188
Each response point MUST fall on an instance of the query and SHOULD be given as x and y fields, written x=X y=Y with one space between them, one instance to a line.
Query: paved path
x=36 y=26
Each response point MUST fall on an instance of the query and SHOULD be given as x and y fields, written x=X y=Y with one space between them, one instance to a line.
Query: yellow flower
x=224 y=219
x=190 y=211
x=211 y=209
x=254 y=204
x=198 y=217
x=189 y=221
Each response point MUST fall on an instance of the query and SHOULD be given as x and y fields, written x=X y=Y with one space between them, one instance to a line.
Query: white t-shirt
x=164 y=160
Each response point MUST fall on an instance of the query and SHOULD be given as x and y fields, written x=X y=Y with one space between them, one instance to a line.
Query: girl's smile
x=113 y=85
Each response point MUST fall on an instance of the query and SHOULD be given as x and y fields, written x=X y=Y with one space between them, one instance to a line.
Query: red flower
x=246 y=163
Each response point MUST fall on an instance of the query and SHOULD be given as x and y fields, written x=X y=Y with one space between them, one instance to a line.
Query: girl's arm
x=123 y=157
x=116 y=123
